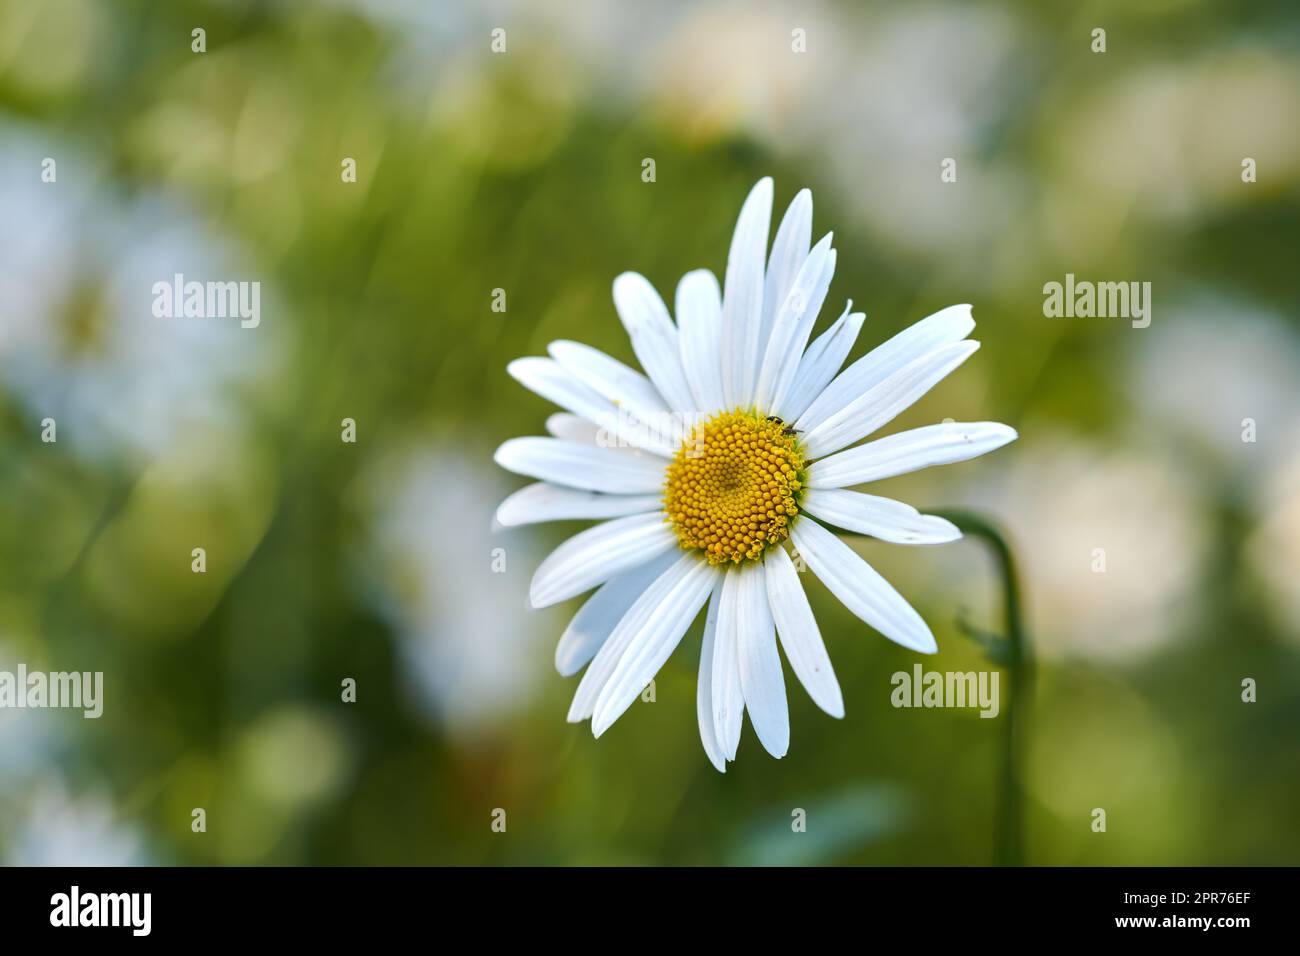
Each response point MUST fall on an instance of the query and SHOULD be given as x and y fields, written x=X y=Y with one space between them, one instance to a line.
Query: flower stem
x=1019 y=659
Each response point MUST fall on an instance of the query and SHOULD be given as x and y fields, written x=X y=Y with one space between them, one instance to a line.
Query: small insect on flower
x=740 y=438
x=785 y=429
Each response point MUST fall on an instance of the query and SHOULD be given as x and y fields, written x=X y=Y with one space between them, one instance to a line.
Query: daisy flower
x=739 y=437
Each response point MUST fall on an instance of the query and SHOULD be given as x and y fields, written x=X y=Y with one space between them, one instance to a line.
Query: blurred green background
x=522 y=171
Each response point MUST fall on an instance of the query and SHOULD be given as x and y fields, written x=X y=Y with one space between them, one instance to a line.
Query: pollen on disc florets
x=734 y=485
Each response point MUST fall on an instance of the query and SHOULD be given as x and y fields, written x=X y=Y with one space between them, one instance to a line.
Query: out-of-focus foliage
x=522 y=171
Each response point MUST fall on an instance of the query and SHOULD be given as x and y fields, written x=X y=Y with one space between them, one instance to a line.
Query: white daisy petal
x=882 y=518
x=546 y=502
x=793 y=325
x=549 y=379
x=789 y=249
x=654 y=642
x=742 y=298
x=933 y=332
x=860 y=588
x=654 y=338
x=629 y=625
x=610 y=378
x=594 y=556
x=597 y=618
x=761 y=680
x=699 y=324
x=554 y=383
x=820 y=363
x=581 y=466
x=881 y=403
x=726 y=693
x=908 y=451
x=799 y=634
x=572 y=427
x=704 y=689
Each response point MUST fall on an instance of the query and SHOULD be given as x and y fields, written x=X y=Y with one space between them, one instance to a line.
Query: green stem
x=1020 y=670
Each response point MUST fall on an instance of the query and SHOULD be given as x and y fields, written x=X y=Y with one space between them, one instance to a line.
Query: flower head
x=739 y=437
x=732 y=488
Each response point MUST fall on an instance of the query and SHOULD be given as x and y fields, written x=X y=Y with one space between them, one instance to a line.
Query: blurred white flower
x=78 y=338
x=725 y=68
x=61 y=830
x=1162 y=143
x=885 y=96
x=471 y=651
x=908 y=90
x=1110 y=543
x=1200 y=372
x=28 y=739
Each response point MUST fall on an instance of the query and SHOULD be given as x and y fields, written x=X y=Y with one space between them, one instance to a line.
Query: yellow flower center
x=733 y=486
